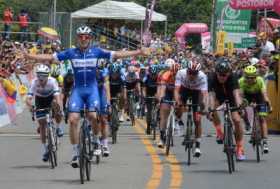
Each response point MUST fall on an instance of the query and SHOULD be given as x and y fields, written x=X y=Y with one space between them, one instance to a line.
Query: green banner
x=248 y=42
x=236 y=21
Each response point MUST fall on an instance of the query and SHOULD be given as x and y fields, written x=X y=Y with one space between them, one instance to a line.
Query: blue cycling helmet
x=153 y=69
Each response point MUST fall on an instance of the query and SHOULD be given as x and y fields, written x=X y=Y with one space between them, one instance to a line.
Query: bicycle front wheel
x=82 y=159
x=52 y=149
x=169 y=134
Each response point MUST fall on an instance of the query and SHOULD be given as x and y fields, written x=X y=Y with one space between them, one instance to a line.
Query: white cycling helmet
x=84 y=30
x=169 y=62
x=42 y=69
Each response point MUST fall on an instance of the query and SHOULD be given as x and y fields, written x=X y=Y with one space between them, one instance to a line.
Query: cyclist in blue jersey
x=85 y=90
x=104 y=93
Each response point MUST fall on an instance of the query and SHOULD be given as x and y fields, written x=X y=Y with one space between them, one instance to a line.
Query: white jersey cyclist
x=199 y=83
x=49 y=89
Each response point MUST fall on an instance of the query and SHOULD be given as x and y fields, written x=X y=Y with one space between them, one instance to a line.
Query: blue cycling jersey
x=84 y=63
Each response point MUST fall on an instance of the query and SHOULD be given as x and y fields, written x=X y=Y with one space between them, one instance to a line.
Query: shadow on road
x=31 y=167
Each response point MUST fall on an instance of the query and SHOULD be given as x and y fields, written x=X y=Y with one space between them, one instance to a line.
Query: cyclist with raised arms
x=85 y=91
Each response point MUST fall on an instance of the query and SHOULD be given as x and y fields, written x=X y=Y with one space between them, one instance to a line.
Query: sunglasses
x=84 y=37
x=192 y=72
x=250 y=78
x=42 y=77
x=222 y=74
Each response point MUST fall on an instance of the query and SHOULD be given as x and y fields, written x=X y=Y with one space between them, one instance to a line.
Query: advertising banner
x=252 y=4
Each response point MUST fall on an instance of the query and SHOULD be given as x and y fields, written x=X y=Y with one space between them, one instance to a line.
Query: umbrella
x=48 y=32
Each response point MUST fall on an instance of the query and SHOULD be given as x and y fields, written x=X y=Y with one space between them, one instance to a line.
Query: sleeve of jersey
x=262 y=83
x=105 y=54
x=55 y=87
x=204 y=85
x=235 y=82
x=31 y=89
x=63 y=55
x=178 y=81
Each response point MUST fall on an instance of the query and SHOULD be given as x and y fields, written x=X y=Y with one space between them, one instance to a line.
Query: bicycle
x=153 y=122
x=256 y=136
x=131 y=106
x=170 y=128
x=85 y=149
x=114 y=120
x=229 y=144
x=52 y=140
x=189 y=138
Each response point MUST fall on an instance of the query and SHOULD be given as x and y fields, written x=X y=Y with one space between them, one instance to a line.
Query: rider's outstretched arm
x=40 y=57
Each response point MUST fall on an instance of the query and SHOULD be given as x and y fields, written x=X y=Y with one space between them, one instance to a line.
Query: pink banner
x=189 y=28
x=265 y=27
x=277 y=6
x=252 y=4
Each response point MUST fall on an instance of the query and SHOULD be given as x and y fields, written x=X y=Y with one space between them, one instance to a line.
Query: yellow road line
x=157 y=169
x=176 y=172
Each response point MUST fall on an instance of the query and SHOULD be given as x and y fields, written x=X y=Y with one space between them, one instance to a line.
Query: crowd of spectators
x=22 y=19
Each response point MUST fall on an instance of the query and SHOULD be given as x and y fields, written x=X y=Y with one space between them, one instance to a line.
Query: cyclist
x=116 y=80
x=131 y=84
x=150 y=90
x=85 y=91
x=191 y=83
x=104 y=95
x=253 y=89
x=45 y=91
x=165 y=96
x=223 y=85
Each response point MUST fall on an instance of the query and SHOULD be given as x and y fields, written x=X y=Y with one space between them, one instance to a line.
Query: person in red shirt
x=7 y=18
x=23 y=24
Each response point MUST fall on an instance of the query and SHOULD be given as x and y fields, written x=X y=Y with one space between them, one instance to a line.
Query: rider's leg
x=164 y=112
x=42 y=128
x=73 y=131
x=238 y=135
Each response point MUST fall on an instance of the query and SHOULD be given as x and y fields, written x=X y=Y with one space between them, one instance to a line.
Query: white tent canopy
x=117 y=10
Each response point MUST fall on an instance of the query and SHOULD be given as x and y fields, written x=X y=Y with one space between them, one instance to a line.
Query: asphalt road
x=135 y=163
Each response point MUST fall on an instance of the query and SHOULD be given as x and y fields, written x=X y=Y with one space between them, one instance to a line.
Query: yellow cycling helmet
x=250 y=71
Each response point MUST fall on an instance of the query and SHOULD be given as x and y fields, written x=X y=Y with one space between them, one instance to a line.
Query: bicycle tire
x=188 y=142
x=82 y=157
x=114 y=125
x=88 y=154
x=169 y=135
x=131 y=110
x=257 y=138
x=50 y=148
x=228 y=147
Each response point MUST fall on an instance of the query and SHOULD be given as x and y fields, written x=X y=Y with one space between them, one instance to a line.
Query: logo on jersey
x=78 y=63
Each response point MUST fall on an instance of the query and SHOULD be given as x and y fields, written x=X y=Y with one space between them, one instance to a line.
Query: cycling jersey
x=131 y=79
x=199 y=83
x=151 y=85
x=51 y=88
x=84 y=63
x=257 y=87
x=223 y=91
x=85 y=91
x=167 y=79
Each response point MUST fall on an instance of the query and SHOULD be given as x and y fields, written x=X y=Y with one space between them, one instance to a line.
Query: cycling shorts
x=187 y=94
x=42 y=103
x=84 y=96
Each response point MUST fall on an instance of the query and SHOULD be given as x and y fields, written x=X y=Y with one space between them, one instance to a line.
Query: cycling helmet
x=193 y=66
x=114 y=68
x=153 y=69
x=43 y=70
x=84 y=30
x=169 y=62
x=250 y=71
x=223 y=66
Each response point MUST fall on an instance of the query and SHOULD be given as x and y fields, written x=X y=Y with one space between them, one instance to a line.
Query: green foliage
x=177 y=11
